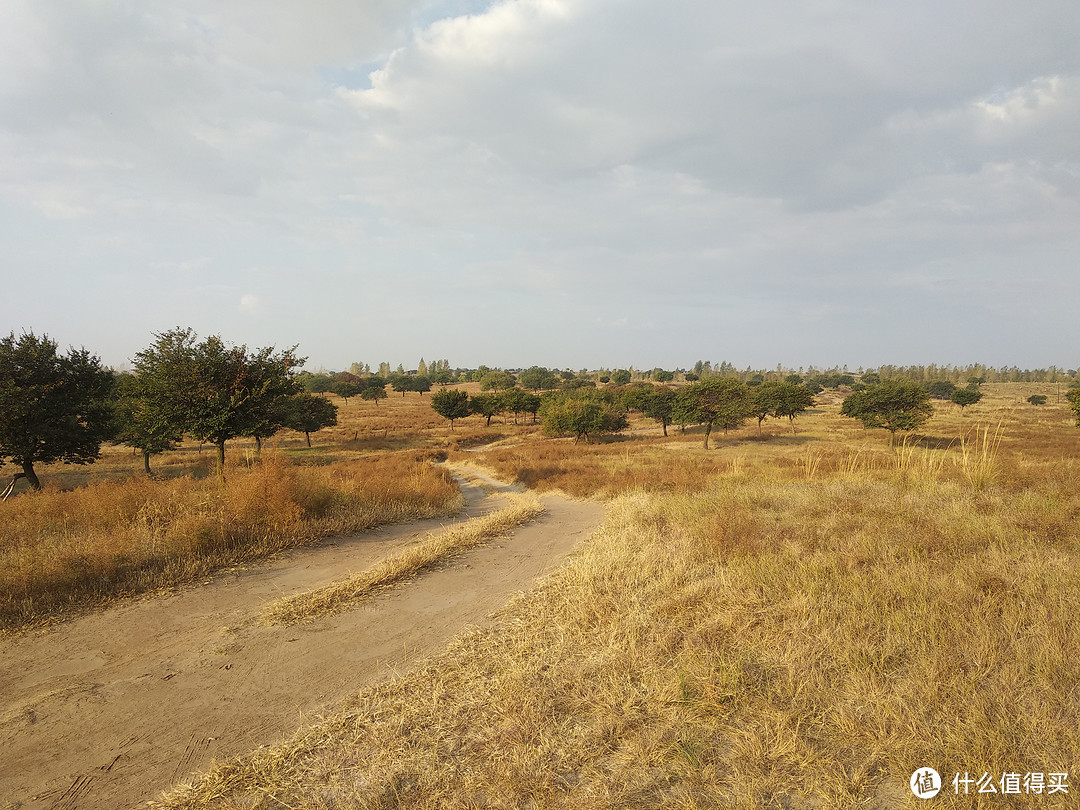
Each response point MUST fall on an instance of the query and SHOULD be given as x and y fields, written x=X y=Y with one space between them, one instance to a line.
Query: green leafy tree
x=795 y=399
x=1037 y=399
x=620 y=376
x=894 y=404
x=635 y=397
x=519 y=401
x=538 y=378
x=580 y=418
x=662 y=376
x=486 y=405
x=450 y=403
x=374 y=389
x=715 y=402
x=941 y=389
x=497 y=381
x=308 y=413
x=346 y=385
x=660 y=406
x=315 y=383
x=420 y=383
x=400 y=382
x=52 y=407
x=1073 y=396
x=214 y=391
x=966 y=396
x=140 y=426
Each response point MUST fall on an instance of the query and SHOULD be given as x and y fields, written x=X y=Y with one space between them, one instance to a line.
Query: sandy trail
x=109 y=709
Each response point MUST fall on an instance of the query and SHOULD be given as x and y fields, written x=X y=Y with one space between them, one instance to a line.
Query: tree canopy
x=497 y=381
x=965 y=396
x=450 y=403
x=307 y=413
x=52 y=407
x=538 y=378
x=579 y=417
x=894 y=404
x=214 y=391
x=138 y=424
x=716 y=402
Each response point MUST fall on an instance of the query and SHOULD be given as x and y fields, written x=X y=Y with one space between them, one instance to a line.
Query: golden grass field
x=796 y=621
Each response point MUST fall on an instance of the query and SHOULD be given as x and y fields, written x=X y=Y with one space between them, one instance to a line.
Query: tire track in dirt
x=109 y=709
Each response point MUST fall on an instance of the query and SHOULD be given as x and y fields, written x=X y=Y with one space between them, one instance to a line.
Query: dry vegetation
x=66 y=549
x=403 y=565
x=798 y=622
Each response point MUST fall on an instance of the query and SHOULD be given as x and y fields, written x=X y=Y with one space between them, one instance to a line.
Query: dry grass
x=66 y=549
x=781 y=624
x=403 y=565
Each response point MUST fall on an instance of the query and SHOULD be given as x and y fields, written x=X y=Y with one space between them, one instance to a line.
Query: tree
x=722 y=402
x=374 y=389
x=662 y=376
x=792 y=400
x=345 y=385
x=1037 y=399
x=764 y=400
x=579 y=417
x=307 y=413
x=400 y=382
x=497 y=381
x=620 y=376
x=450 y=403
x=52 y=407
x=537 y=378
x=214 y=391
x=138 y=425
x=420 y=383
x=517 y=401
x=635 y=397
x=1073 y=396
x=895 y=404
x=966 y=396
x=660 y=406
x=941 y=389
x=486 y=405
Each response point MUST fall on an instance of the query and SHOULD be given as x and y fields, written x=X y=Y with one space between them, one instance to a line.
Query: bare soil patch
x=108 y=710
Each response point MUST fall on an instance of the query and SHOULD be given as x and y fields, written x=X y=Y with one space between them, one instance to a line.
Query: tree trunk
x=308 y=435
x=146 y=461
x=30 y=475
x=665 y=428
x=708 y=430
x=221 y=457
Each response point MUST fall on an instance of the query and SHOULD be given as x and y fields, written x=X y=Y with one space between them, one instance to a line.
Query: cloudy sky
x=570 y=183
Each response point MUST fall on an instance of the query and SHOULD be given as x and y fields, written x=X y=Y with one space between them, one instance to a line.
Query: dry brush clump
x=763 y=642
x=63 y=549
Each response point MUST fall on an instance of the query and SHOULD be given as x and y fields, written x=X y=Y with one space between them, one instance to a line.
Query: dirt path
x=108 y=710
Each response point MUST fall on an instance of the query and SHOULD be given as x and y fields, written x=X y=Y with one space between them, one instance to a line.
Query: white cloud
x=572 y=154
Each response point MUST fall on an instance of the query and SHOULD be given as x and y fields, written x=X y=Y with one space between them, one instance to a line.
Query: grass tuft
x=401 y=566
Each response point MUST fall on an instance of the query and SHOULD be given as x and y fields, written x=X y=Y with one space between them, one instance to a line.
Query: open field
x=107 y=709
x=791 y=621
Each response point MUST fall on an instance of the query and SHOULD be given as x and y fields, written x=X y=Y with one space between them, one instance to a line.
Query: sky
x=566 y=183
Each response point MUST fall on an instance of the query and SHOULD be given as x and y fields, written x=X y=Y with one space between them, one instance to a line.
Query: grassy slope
x=798 y=622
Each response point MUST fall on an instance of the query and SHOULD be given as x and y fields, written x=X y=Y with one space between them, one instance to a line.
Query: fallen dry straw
x=407 y=563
